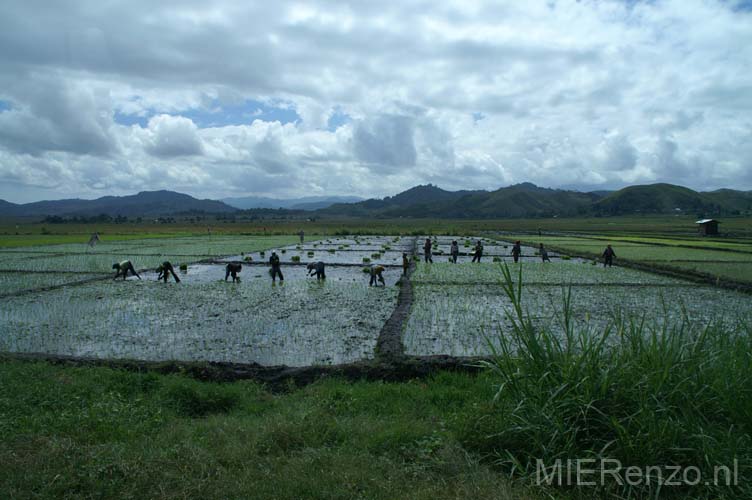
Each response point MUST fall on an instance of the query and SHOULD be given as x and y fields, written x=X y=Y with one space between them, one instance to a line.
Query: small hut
x=707 y=227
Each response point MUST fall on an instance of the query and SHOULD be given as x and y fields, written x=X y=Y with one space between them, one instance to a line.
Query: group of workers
x=454 y=251
x=375 y=271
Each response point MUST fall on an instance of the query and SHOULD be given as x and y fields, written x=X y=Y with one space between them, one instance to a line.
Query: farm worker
x=274 y=262
x=543 y=254
x=516 y=251
x=302 y=236
x=375 y=272
x=454 y=250
x=478 y=251
x=405 y=263
x=164 y=270
x=123 y=268
x=232 y=269
x=317 y=269
x=427 y=250
x=608 y=256
x=93 y=240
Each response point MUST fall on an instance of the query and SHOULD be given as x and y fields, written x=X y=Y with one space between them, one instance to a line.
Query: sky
x=287 y=99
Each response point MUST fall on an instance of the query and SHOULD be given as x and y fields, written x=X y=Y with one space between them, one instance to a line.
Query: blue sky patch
x=337 y=119
x=5 y=106
x=128 y=120
x=220 y=115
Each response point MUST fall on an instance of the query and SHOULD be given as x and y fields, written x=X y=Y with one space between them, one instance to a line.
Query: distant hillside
x=416 y=202
x=305 y=203
x=529 y=200
x=731 y=200
x=657 y=198
x=524 y=200
x=521 y=200
x=144 y=203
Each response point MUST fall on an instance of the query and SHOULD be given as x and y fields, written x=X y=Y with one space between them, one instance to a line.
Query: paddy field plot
x=300 y=322
x=461 y=309
x=61 y=299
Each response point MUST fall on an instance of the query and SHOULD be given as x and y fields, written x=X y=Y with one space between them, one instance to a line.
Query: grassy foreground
x=103 y=433
x=648 y=393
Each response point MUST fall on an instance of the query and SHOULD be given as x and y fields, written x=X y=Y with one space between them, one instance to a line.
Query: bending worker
x=516 y=251
x=232 y=269
x=276 y=269
x=164 y=270
x=123 y=268
x=316 y=268
x=376 y=271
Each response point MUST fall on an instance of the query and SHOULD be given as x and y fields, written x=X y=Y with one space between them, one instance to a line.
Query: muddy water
x=302 y=322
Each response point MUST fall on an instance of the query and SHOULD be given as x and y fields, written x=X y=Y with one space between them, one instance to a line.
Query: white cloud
x=168 y=136
x=463 y=94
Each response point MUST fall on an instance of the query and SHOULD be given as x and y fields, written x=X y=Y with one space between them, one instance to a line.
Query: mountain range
x=144 y=203
x=519 y=200
x=305 y=203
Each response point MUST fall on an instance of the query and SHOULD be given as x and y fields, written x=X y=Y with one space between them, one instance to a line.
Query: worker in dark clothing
x=93 y=240
x=376 y=271
x=544 y=254
x=123 y=268
x=427 y=250
x=302 y=236
x=608 y=256
x=316 y=268
x=516 y=251
x=276 y=270
x=232 y=269
x=454 y=251
x=164 y=270
x=405 y=263
x=478 y=253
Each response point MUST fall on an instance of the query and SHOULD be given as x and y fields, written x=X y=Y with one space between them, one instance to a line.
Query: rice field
x=724 y=259
x=60 y=299
x=71 y=306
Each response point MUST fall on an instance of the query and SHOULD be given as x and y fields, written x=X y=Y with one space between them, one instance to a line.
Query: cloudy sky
x=288 y=99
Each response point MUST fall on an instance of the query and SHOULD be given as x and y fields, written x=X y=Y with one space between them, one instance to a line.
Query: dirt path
x=389 y=345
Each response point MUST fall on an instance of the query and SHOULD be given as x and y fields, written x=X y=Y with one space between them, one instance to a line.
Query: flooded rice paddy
x=61 y=299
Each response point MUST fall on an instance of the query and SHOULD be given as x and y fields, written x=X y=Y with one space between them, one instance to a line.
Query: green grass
x=672 y=393
x=27 y=240
x=737 y=271
x=103 y=433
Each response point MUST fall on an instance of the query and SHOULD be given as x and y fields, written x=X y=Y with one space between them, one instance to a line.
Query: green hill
x=655 y=198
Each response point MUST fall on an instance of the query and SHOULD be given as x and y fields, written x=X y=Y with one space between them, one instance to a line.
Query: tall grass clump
x=654 y=393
